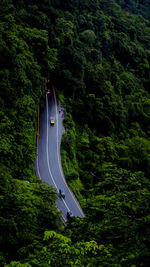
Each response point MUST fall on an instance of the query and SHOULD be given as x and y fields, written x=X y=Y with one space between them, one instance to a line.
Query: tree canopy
x=97 y=54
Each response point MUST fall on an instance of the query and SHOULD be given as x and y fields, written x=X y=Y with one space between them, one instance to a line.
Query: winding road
x=48 y=161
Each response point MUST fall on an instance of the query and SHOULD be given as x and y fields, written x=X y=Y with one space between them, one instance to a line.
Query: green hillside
x=97 y=54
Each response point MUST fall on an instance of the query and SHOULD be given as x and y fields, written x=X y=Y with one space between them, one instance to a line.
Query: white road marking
x=48 y=157
x=60 y=168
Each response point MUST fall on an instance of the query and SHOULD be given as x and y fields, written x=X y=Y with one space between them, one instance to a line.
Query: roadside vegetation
x=97 y=54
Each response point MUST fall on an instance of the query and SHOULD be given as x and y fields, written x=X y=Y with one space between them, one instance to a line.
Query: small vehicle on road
x=52 y=120
x=69 y=214
x=61 y=192
x=48 y=92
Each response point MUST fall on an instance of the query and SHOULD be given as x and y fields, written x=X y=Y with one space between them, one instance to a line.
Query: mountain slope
x=97 y=54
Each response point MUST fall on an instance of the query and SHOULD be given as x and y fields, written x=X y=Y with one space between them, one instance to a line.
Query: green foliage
x=17 y=264
x=69 y=159
x=27 y=56
x=58 y=250
x=135 y=154
x=117 y=211
x=88 y=36
x=27 y=209
x=64 y=30
x=97 y=53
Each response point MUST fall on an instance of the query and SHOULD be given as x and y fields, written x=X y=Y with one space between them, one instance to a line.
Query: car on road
x=61 y=192
x=69 y=214
x=52 y=120
x=48 y=92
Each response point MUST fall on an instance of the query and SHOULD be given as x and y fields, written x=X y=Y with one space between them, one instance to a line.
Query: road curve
x=48 y=161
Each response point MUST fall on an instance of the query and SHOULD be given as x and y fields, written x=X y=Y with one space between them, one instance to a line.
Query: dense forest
x=97 y=54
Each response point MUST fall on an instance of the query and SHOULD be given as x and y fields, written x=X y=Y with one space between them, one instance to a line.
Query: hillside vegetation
x=97 y=54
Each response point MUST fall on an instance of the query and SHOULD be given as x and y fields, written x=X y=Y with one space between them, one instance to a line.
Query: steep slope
x=97 y=54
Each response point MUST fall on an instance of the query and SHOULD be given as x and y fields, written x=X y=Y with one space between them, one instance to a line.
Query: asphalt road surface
x=48 y=162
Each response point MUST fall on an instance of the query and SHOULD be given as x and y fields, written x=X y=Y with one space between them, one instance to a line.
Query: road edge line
x=37 y=156
x=59 y=158
x=38 y=128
